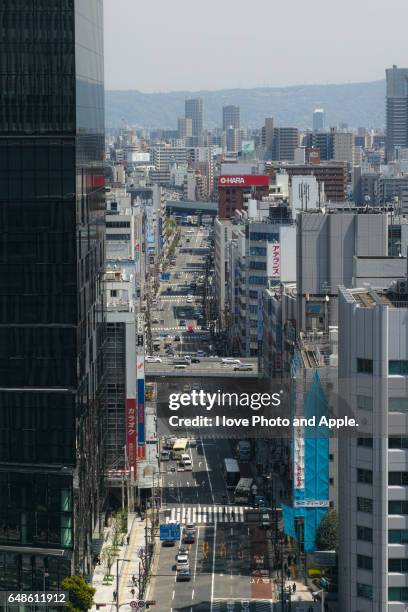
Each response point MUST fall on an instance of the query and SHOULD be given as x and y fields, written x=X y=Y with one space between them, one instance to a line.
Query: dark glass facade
x=51 y=264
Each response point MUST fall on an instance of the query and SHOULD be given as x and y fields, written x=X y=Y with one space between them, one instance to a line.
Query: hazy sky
x=165 y=45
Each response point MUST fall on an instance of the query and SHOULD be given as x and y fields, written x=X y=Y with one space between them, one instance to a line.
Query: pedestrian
x=294 y=587
x=132 y=592
x=128 y=539
x=114 y=595
x=134 y=579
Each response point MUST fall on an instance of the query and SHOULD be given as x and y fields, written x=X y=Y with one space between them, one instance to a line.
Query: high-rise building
x=194 y=111
x=267 y=136
x=230 y=117
x=185 y=127
x=285 y=141
x=233 y=140
x=373 y=506
x=52 y=220
x=318 y=119
x=396 y=110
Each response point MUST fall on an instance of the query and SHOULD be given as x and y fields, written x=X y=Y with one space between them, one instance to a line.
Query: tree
x=80 y=593
x=108 y=558
x=327 y=532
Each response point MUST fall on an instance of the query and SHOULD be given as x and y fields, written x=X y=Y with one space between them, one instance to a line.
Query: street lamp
x=117 y=581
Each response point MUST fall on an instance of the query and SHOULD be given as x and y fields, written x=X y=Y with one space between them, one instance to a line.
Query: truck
x=243 y=491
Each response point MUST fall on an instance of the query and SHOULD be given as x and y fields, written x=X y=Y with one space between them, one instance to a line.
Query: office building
x=230 y=117
x=373 y=507
x=342 y=146
x=194 y=111
x=326 y=244
x=332 y=175
x=184 y=127
x=234 y=191
x=396 y=110
x=52 y=223
x=233 y=140
x=285 y=142
x=318 y=120
x=267 y=137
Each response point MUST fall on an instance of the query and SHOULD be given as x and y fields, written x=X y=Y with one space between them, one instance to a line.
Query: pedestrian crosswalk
x=202 y=515
x=242 y=605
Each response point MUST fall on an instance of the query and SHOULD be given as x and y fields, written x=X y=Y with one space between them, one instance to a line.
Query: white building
x=373 y=463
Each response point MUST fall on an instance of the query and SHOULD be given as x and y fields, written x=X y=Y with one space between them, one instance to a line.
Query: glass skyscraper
x=51 y=307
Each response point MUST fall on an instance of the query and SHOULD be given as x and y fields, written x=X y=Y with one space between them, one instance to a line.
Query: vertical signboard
x=131 y=439
x=273 y=264
x=140 y=389
x=299 y=459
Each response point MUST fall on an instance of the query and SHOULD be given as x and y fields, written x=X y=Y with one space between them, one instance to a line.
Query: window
x=257 y=251
x=398 y=565
x=257 y=280
x=365 y=504
x=397 y=479
x=117 y=236
x=397 y=442
x=365 y=476
x=398 y=536
x=365 y=366
x=398 y=366
x=398 y=594
x=366 y=441
x=364 y=402
x=118 y=224
x=364 y=562
x=364 y=533
x=257 y=265
x=114 y=293
x=364 y=590
x=398 y=507
x=397 y=404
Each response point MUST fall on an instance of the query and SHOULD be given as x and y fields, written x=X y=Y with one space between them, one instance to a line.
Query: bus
x=179 y=448
x=243 y=491
x=231 y=473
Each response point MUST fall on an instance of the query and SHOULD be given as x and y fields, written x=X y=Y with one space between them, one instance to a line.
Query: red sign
x=131 y=434
x=247 y=180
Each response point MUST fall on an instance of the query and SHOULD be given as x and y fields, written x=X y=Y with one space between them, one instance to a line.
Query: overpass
x=207 y=368
x=192 y=208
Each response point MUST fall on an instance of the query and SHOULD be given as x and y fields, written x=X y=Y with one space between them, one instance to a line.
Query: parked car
x=195 y=360
x=230 y=360
x=150 y=359
x=243 y=367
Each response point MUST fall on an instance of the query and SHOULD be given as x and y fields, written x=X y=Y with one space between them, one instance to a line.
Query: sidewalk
x=104 y=592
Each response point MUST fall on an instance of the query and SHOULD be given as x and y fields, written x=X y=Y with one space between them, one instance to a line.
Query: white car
x=230 y=360
x=182 y=562
x=153 y=359
x=189 y=299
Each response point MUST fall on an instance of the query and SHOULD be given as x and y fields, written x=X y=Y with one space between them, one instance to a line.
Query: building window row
x=398 y=479
x=398 y=594
x=398 y=565
x=398 y=506
x=397 y=442
x=395 y=366
x=398 y=536
x=398 y=404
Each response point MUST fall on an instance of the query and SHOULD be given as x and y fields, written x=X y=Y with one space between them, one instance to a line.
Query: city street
x=230 y=558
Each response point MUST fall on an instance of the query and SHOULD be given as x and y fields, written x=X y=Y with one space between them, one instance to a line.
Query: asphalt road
x=227 y=549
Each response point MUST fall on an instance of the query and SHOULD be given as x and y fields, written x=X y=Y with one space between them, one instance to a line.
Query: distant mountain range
x=357 y=104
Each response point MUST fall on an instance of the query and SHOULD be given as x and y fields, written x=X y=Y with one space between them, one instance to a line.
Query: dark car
x=183 y=575
x=189 y=537
x=195 y=360
x=176 y=338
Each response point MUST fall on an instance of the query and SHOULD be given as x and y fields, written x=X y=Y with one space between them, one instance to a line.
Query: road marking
x=174 y=592
x=208 y=514
x=192 y=594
